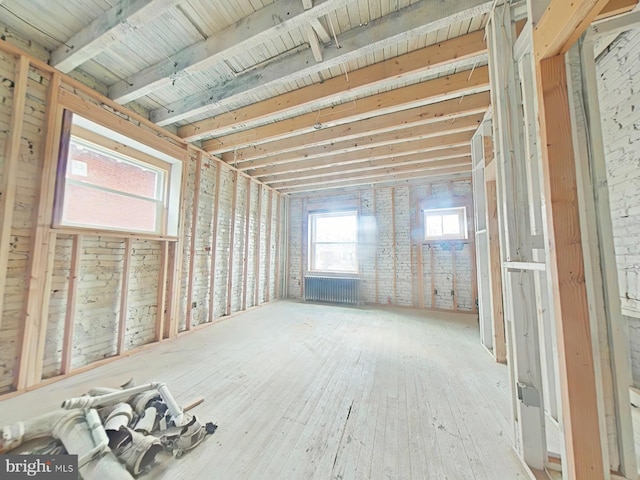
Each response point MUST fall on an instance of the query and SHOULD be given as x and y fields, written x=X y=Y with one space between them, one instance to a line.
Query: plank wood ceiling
x=302 y=95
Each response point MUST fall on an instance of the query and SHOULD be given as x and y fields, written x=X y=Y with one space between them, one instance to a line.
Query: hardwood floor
x=304 y=391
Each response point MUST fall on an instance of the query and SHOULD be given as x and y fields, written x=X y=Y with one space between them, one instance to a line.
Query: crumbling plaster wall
x=618 y=72
x=389 y=261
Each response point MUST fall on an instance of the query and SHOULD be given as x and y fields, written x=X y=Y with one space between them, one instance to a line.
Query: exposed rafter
x=444 y=54
x=274 y=166
x=448 y=110
x=265 y=24
x=419 y=18
x=437 y=90
x=616 y=7
x=106 y=30
x=408 y=178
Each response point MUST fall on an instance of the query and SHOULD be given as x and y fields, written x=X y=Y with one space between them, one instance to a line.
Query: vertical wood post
x=193 y=239
x=232 y=230
x=278 y=240
x=267 y=293
x=214 y=246
x=257 y=250
x=162 y=291
x=245 y=259
x=124 y=294
x=70 y=313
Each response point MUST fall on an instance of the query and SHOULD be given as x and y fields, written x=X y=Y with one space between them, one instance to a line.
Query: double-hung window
x=333 y=242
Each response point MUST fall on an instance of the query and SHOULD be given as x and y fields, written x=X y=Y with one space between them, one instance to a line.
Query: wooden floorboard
x=304 y=391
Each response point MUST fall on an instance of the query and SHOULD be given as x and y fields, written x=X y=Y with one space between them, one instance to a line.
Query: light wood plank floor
x=303 y=391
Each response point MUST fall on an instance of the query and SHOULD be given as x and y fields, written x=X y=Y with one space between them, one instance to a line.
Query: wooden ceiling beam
x=417 y=19
x=433 y=113
x=109 y=28
x=461 y=154
x=396 y=179
x=561 y=25
x=263 y=25
x=337 y=88
x=616 y=7
x=432 y=91
x=420 y=132
x=271 y=166
x=383 y=172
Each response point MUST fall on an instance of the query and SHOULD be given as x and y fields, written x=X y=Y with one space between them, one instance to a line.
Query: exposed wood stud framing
x=232 y=229
x=10 y=169
x=214 y=245
x=393 y=246
x=124 y=295
x=375 y=256
x=245 y=256
x=72 y=295
x=162 y=291
x=267 y=252
x=278 y=242
x=499 y=339
x=192 y=239
x=257 y=250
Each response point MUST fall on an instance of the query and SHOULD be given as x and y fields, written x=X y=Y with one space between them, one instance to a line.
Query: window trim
x=462 y=211
x=311 y=216
x=120 y=145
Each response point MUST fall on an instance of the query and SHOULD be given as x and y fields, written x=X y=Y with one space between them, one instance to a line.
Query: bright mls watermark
x=52 y=467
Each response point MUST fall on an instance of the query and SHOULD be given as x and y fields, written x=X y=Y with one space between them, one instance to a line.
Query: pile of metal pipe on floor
x=116 y=433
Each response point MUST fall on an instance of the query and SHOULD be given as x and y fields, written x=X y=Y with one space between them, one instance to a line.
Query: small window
x=445 y=223
x=105 y=182
x=333 y=242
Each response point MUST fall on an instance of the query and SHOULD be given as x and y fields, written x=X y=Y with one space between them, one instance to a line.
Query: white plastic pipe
x=109 y=398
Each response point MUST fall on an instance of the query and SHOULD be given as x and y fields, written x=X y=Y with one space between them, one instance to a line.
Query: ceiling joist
x=340 y=88
x=106 y=30
x=275 y=166
x=265 y=24
x=437 y=90
x=417 y=19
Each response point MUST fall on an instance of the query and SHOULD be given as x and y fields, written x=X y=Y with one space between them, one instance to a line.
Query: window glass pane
x=433 y=225
x=92 y=165
x=336 y=257
x=451 y=225
x=88 y=206
x=340 y=228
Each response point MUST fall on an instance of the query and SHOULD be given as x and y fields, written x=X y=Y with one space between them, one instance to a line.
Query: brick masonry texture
x=391 y=252
x=102 y=256
x=618 y=71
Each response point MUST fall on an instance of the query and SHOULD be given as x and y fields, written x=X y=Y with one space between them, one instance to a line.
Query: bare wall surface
x=389 y=263
x=618 y=71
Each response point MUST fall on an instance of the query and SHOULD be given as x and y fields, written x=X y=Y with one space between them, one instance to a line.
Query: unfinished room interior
x=321 y=239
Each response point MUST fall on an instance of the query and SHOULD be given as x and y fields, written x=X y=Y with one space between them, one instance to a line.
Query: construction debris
x=116 y=433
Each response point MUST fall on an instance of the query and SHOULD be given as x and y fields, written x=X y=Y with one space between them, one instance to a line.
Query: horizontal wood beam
x=338 y=147
x=616 y=7
x=404 y=178
x=338 y=88
x=314 y=177
x=433 y=113
x=383 y=172
x=108 y=29
x=265 y=24
x=561 y=25
x=409 y=22
x=441 y=143
x=432 y=91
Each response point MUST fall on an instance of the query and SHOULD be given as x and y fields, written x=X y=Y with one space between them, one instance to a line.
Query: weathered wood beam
x=419 y=18
x=580 y=414
x=438 y=90
x=323 y=35
x=272 y=165
x=108 y=29
x=616 y=7
x=314 y=43
x=265 y=24
x=387 y=169
x=433 y=113
x=340 y=88
x=457 y=153
x=561 y=25
x=421 y=132
x=405 y=178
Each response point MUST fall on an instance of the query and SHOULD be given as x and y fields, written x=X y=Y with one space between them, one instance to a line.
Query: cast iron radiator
x=332 y=289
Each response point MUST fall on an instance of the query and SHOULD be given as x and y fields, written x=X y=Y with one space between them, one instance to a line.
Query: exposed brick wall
x=397 y=281
x=618 y=71
x=102 y=257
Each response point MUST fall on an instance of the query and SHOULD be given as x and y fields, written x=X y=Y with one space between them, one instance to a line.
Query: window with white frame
x=333 y=242
x=109 y=182
x=445 y=223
